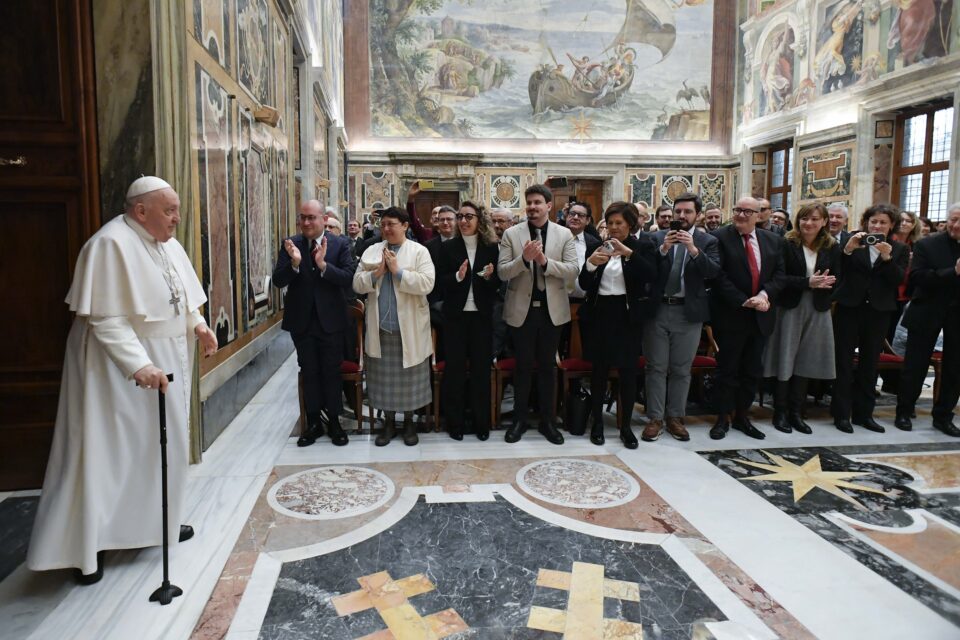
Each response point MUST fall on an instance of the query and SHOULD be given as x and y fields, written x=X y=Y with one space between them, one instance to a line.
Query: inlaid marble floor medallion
x=581 y=484
x=326 y=493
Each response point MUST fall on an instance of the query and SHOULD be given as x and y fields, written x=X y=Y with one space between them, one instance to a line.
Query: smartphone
x=676 y=225
x=873 y=238
x=608 y=246
x=426 y=184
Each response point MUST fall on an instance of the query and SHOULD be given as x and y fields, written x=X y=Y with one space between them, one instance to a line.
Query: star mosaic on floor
x=896 y=509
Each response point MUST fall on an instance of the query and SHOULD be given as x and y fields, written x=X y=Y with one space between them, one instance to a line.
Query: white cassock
x=102 y=485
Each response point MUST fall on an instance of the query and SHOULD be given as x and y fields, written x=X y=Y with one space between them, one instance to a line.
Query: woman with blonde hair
x=801 y=346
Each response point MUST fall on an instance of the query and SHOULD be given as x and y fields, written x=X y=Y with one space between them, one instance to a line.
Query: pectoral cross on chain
x=175 y=301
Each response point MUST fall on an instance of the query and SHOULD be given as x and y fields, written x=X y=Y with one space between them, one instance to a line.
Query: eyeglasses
x=745 y=212
x=331 y=226
x=577 y=214
x=467 y=216
x=390 y=225
x=446 y=220
x=304 y=218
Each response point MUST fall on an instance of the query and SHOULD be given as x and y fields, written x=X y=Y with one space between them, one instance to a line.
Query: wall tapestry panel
x=553 y=70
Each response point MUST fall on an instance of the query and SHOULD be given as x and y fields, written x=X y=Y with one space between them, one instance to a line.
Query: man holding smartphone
x=687 y=258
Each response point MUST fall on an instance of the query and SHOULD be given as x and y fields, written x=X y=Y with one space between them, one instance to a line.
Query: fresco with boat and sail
x=551 y=70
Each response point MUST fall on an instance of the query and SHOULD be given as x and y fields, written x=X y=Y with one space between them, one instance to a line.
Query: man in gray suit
x=670 y=339
x=538 y=260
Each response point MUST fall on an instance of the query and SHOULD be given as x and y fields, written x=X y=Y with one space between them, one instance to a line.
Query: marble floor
x=827 y=535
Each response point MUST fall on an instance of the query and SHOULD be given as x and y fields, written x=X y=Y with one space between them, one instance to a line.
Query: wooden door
x=427 y=200
x=48 y=196
x=582 y=190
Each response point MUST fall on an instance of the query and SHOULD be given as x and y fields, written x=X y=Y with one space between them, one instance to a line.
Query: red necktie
x=752 y=262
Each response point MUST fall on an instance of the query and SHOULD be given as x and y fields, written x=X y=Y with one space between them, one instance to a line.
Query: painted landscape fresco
x=555 y=69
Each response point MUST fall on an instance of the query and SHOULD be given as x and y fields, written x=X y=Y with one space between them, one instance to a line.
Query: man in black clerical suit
x=935 y=306
x=317 y=268
x=740 y=312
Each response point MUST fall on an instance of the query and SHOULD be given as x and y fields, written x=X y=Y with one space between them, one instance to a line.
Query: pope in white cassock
x=137 y=299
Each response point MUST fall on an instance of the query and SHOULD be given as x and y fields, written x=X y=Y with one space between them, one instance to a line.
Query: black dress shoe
x=870 y=425
x=186 y=532
x=514 y=433
x=310 y=436
x=903 y=422
x=744 y=425
x=596 y=434
x=337 y=435
x=780 y=422
x=795 y=420
x=719 y=429
x=91 y=578
x=455 y=433
x=947 y=427
x=629 y=440
x=483 y=434
x=551 y=433
x=843 y=425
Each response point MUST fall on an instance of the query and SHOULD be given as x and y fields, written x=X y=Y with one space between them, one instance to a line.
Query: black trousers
x=319 y=355
x=863 y=329
x=920 y=344
x=739 y=361
x=628 y=391
x=535 y=342
x=469 y=343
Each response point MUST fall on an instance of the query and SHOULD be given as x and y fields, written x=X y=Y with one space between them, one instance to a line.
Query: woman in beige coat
x=397 y=274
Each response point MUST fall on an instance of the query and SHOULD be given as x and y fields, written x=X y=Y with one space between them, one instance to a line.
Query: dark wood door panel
x=21 y=160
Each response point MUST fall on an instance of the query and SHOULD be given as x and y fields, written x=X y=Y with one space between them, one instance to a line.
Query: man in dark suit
x=687 y=258
x=764 y=218
x=935 y=306
x=316 y=268
x=751 y=266
x=837 y=214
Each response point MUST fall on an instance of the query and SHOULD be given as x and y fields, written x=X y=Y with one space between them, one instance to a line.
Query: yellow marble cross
x=583 y=619
x=391 y=600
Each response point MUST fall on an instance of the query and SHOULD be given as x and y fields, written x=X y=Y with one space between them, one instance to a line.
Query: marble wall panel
x=280 y=69
x=710 y=188
x=253 y=52
x=321 y=169
x=214 y=158
x=882 y=172
x=211 y=28
x=825 y=174
x=673 y=186
x=641 y=187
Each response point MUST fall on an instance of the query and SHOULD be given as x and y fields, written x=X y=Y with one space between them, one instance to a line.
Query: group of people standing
x=811 y=303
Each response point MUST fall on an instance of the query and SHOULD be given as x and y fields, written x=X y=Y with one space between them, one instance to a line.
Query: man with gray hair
x=837 y=214
x=502 y=219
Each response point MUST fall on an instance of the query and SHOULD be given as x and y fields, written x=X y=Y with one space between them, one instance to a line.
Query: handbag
x=577 y=403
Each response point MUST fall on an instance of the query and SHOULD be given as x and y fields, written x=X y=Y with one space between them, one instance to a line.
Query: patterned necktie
x=752 y=263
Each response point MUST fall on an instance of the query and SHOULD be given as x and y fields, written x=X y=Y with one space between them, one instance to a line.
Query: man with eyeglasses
x=751 y=269
x=664 y=216
x=764 y=213
x=317 y=270
x=578 y=217
x=446 y=230
x=332 y=225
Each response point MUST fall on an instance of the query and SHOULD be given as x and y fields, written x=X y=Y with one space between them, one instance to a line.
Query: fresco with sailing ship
x=557 y=69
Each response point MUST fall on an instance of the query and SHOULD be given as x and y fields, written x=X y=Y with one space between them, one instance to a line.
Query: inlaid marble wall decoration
x=825 y=174
x=710 y=188
x=280 y=69
x=661 y=186
x=372 y=188
x=253 y=52
x=321 y=170
x=641 y=187
x=758 y=183
x=505 y=191
x=215 y=159
x=882 y=172
x=674 y=186
x=256 y=223
x=211 y=28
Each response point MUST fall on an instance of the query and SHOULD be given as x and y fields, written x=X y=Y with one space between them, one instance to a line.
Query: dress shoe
x=596 y=433
x=743 y=424
x=456 y=433
x=780 y=422
x=91 y=578
x=843 y=425
x=186 y=532
x=629 y=440
x=677 y=430
x=337 y=435
x=550 y=432
x=795 y=420
x=903 y=422
x=719 y=429
x=514 y=433
x=410 y=437
x=483 y=434
x=652 y=431
x=386 y=434
x=947 y=427
x=870 y=425
x=310 y=436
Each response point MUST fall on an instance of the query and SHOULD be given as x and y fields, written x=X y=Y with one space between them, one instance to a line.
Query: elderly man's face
x=952 y=224
x=745 y=215
x=577 y=218
x=159 y=213
x=713 y=219
x=312 y=221
x=333 y=226
x=838 y=221
x=501 y=222
x=445 y=223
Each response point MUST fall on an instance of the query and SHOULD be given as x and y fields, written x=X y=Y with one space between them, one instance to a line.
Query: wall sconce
x=267 y=115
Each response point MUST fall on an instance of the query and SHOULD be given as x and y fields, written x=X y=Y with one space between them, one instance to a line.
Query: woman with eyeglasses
x=616 y=277
x=397 y=274
x=801 y=345
x=467 y=275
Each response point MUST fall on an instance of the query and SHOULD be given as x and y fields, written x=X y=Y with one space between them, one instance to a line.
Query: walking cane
x=166 y=592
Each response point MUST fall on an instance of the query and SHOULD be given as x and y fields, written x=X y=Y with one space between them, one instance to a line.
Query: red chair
x=574 y=366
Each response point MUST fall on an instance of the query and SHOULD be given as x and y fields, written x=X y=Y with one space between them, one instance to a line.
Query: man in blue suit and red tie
x=317 y=269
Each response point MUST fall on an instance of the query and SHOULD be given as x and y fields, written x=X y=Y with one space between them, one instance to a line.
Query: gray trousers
x=669 y=345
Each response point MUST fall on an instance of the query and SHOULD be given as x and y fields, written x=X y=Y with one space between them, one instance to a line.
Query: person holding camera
x=617 y=277
x=801 y=346
x=688 y=258
x=873 y=267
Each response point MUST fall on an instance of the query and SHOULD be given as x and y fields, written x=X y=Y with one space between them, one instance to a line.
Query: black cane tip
x=165 y=593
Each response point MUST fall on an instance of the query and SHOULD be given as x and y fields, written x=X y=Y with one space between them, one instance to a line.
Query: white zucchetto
x=146 y=184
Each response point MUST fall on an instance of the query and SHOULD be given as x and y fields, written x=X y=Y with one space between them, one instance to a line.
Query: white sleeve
x=194 y=320
x=118 y=339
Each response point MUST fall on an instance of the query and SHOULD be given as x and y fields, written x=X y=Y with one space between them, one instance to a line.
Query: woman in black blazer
x=617 y=277
x=467 y=275
x=802 y=346
x=866 y=297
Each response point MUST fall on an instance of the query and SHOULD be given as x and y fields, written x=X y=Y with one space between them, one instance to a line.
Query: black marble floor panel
x=484 y=560
x=16 y=522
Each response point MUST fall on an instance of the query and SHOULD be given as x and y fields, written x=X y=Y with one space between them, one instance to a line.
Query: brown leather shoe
x=652 y=431
x=677 y=430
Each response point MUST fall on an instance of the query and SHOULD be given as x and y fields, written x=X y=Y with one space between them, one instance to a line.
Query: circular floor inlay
x=581 y=484
x=326 y=493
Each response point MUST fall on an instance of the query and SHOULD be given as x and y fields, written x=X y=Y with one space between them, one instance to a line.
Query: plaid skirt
x=390 y=387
